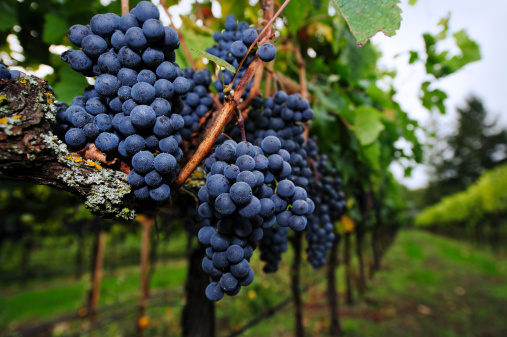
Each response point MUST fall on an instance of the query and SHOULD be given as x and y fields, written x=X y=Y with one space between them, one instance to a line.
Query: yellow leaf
x=252 y=294
x=319 y=28
x=348 y=223
x=143 y=322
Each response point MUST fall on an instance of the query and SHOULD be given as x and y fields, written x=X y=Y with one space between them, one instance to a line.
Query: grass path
x=429 y=286
x=433 y=286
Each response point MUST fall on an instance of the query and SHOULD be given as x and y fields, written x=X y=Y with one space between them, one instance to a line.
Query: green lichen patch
x=8 y=123
x=107 y=187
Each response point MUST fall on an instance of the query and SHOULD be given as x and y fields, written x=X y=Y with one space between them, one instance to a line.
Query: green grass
x=428 y=286
x=58 y=298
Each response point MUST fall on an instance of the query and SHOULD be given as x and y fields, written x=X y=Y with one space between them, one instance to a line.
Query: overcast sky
x=485 y=23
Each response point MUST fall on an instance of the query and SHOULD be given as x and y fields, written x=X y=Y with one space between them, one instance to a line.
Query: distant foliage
x=488 y=196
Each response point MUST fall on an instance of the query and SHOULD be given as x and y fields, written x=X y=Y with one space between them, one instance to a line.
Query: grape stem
x=255 y=91
x=182 y=40
x=264 y=31
x=241 y=124
x=302 y=72
x=267 y=7
x=269 y=79
x=124 y=6
x=226 y=136
x=230 y=106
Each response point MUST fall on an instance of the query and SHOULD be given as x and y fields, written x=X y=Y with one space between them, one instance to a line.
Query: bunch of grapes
x=197 y=102
x=330 y=205
x=272 y=245
x=232 y=45
x=134 y=109
x=240 y=200
x=192 y=221
x=283 y=116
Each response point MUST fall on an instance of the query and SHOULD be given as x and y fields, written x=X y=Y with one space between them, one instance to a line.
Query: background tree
x=460 y=158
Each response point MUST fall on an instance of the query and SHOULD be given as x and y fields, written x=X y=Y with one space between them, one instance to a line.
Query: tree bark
x=296 y=295
x=29 y=151
x=335 y=329
x=198 y=317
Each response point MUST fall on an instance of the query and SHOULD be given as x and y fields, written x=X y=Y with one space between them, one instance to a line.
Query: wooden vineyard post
x=348 y=270
x=296 y=294
x=335 y=329
x=146 y=223
x=97 y=273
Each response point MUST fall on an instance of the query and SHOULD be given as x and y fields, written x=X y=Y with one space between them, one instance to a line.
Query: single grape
x=107 y=142
x=77 y=33
x=75 y=138
x=267 y=52
x=143 y=162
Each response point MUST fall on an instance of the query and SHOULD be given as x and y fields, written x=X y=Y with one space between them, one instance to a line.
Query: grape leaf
x=71 y=85
x=433 y=98
x=215 y=60
x=8 y=17
x=236 y=7
x=470 y=50
x=414 y=56
x=295 y=13
x=367 y=17
x=371 y=155
x=55 y=28
x=368 y=125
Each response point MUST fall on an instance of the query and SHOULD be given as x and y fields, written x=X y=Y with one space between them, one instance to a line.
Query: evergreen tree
x=462 y=157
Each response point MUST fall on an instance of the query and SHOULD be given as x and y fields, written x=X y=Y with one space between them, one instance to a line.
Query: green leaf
x=215 y=60
x=412 y=2
x=8 y=17
x=295 y=13
x=371 y=155
x=368 y=125
x=357 y=63
x=433 y=98
x=236 y=7
x=440 y=64
x=414 y=56
x=332 y=100
x=367 y=17
x=55 y=28
x=470 y=50
x=71 y=85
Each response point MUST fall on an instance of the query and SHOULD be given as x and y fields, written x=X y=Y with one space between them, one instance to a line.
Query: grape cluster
x=272 y=245
x=240 y=201
x=283 y=116
x=231 y=46
x=134 y=109
x=197 y=102
x=192 y=221
x=330 y=205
